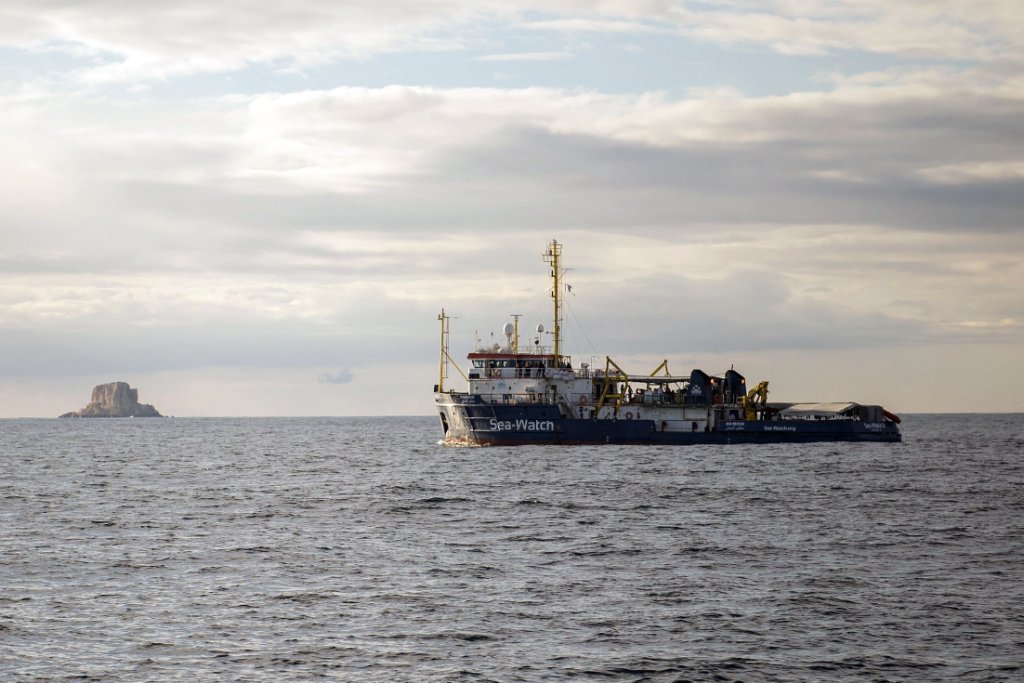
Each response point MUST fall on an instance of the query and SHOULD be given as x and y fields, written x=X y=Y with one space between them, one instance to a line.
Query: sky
x=248 y=209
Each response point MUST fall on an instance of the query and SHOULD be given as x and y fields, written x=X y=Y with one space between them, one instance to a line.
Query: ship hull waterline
x=499 y=425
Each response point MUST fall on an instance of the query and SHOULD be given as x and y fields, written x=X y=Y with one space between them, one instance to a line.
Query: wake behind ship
x=537 y=396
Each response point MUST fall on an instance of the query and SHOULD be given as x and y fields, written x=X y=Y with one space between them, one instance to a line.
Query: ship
x=536 y=395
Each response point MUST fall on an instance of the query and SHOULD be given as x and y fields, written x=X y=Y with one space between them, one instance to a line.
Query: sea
x=361 y=549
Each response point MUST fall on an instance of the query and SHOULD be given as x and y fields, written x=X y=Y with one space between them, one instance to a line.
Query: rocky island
x=116 y=399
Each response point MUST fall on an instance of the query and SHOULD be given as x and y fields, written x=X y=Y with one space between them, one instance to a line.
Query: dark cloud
x=585 y=181
x=340 y=377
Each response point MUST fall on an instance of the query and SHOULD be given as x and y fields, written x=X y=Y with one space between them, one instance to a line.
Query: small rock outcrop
x=116 y=399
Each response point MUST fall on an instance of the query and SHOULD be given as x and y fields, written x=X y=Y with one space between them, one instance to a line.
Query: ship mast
x=443 y=370
x=515 y=332
x=552 y=256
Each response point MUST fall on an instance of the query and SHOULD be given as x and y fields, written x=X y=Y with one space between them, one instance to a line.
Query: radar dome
x=508 y=329
x=540 y=329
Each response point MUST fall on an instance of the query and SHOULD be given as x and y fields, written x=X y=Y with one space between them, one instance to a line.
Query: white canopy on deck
x=812 y=410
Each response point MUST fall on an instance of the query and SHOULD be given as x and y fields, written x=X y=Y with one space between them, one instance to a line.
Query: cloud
x=986 y=171
x=526 y=57
x=595 y=24
x=299 y=207
x=131 y=42
x=378 y=141
x=128 y=42
x=340 y=377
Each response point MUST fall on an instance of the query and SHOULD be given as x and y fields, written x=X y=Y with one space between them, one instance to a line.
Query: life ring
x=629 y=415
x=583 y=400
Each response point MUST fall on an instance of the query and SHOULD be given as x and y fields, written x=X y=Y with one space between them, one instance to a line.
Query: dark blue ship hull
x=488 y=424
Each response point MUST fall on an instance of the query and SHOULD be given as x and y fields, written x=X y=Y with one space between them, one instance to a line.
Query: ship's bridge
x=514 y=365
x=514 y=360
